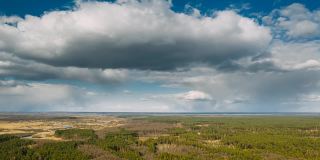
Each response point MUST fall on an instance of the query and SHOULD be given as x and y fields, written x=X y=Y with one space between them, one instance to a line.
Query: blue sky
x=153 y=55
x=38 y=7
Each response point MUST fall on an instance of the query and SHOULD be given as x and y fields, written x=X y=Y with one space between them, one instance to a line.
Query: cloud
x=282 y=56
x=310 y=98
x=10 y=19
x=26 y=96
x=134 y=34
x=242 y=90
x=295 y=55
x=296 y=21
x=303 y=28
x=308 y=64
x=20 y=96
x=236 y=101
x=10 y=83
x=11 y=66
x=127 y=91
x=194 y=96
x=167 y=61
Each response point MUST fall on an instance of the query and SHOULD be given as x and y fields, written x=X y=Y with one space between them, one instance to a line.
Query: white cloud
x=143 y=34
x=310 y=98
x=10 y=19
x=127 y=91
x=295 y=55
x=296 y=20
x=236 y=101
x=310 y=64
x=302 y=28
x=194 y=96
x=239 y=90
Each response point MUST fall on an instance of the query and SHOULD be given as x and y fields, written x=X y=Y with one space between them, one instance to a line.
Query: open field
x=165 y=137
x=44 y=127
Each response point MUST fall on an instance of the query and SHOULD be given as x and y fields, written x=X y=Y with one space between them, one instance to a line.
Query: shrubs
x=151 y=145
x=6 y=137
x=60 y=150
x=167 y=156
x=287 y=145
x=121 y=144
x=118 y=140
x=12 y=147
x=245 y=137
x=76 y=134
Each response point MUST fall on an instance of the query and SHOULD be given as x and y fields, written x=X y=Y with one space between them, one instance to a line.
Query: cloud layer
x=132 y=55
x=132 y=34
x=296 y=21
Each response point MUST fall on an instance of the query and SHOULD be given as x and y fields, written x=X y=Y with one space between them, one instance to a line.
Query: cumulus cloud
x=10 y=19
x=194 y=96
x=143 y=34
x=295 y=55
x=296 y=21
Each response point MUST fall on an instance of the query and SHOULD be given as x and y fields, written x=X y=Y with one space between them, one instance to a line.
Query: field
x=159 y=137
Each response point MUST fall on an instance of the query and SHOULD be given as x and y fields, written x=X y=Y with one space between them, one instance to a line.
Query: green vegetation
x=76 y=134
x=247 y=137
x=60 y=150
x=121 y=143
x=14 y=148
x=180 y=138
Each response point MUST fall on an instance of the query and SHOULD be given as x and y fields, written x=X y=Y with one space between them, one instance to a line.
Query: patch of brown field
x=145 y=128
x=214 y=143
x=312 y=131
x=49 y=135
x=144 y=138
x=179 y=125
x=203 y=125
x=5 y=131
x=273 y=156
x=97 y=153
x=44 y=129
x=101 y=133
x=177 y=149
x=23 y=117
x=149 y=156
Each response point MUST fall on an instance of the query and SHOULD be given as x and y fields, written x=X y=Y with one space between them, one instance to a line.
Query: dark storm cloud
x=17 y=68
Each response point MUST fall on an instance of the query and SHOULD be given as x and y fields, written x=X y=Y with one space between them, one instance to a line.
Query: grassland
x=166 y=138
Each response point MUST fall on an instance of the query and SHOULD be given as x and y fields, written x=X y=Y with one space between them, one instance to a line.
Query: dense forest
x=178 y=138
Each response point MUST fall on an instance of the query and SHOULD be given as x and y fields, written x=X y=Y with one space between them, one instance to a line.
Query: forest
x=177 y=138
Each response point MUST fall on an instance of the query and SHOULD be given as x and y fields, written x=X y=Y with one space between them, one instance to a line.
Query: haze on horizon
x=160 y=56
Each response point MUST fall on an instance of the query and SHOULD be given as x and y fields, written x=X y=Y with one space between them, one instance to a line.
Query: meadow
x=176 y=138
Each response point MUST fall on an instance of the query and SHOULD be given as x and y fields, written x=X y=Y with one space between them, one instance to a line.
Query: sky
x=160 y=56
